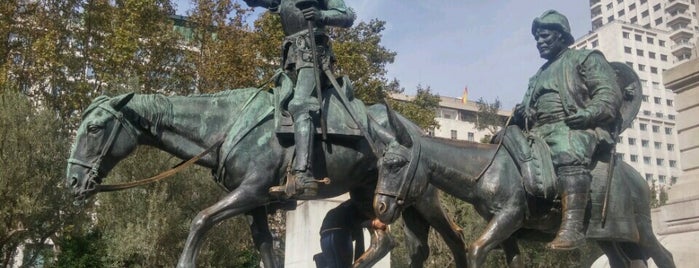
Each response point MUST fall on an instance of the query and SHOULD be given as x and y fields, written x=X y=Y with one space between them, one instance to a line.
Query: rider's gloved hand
x=314 y=14
x=580 y=120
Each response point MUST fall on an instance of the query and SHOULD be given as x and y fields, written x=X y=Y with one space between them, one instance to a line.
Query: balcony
x=681 y=32
x=678 y=17
x=594 y=3
x=682 y=44
x=676 y=5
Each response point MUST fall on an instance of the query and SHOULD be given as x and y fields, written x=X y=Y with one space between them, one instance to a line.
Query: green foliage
x=32 y=162
x=80 y=250
x=422 y=109
x=488 y=117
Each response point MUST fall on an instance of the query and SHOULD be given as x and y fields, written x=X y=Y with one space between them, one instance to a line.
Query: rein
x=165 y=174
x=492 y=159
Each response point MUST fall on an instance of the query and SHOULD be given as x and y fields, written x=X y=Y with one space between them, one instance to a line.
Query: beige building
x=651 y=36
x=457 y=120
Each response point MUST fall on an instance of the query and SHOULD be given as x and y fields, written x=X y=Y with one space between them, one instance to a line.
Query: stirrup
x=292 y=189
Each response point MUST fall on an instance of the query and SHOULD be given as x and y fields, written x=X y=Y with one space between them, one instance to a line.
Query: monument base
x=303 y=233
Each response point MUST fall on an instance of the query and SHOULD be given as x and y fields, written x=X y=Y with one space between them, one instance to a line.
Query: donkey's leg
x=500 y=227
x=614 y=255
x=261 y=236
x=238 y=201
x=381 y=244
x=651 y=246
x=416 y=233
x=431 y=210
x=514 y=257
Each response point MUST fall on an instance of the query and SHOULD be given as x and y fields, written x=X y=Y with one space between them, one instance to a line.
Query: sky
x=447 y=45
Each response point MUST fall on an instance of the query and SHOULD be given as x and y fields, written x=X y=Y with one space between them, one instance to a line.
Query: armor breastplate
x=292 y=17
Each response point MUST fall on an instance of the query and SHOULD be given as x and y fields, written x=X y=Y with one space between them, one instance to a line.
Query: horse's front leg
x=381 y=244
x=500 y=227
x=262 y=237
x=512 y=253
x=238 y=201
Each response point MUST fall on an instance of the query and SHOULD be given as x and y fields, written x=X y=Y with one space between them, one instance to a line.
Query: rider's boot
x=575 y=185
x=304 y=184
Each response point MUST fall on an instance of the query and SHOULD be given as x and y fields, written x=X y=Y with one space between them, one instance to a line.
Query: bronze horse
x=185 y=126
x=412 y=162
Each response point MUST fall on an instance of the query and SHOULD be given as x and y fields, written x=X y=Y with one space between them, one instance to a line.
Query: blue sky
x=450 y=44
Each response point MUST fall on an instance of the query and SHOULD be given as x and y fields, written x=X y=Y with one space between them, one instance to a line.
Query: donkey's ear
x=119 y=102
x=402 y=135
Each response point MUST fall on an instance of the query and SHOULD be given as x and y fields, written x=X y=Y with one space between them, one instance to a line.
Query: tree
x=421 y=109
x=32 y=161
x=488 y=118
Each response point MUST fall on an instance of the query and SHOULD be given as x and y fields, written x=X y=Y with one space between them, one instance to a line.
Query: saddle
x=533 y=158
x=338 y=120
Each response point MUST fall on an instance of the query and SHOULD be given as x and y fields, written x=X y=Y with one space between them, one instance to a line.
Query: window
x=646 y=112
x=453 y=134
x=659 y=161
x=657 y=100
x=669 y=102
x=643 y=1
x=651 y=55
x=661 y=43
x=638 y=37
x=672 y=163
x=644 y=14
x=643 y=126
x=632 y=141
x=632 y=6
x=625 y=35
x=658 y=21
x=650 y=40
x=471 y=136
x=630 y=64
x=595 y=43
x=619 y=139
x=644 y=143
x=645 y=97
x=670 y=147
x=627 y=50
x=610 y=18
x=656 y=7
x=639 y=52
x=646 y=160
x=634 y=20
x=621 y=12
x=641 y=67
x=659 y=115
x=671 y=116
x=668 y=130
x=609 y=6
x=649 y=177
x=661 y=178
x=656 y=85
x=620 y=156
x=634 y=158
x=656 y=129
x=654 y=70
x=658 y=145
x=663 y=57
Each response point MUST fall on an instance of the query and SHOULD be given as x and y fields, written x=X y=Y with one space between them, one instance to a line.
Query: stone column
x=302 y=233
x=678 y=221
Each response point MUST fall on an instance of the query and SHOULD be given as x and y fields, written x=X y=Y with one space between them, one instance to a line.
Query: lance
x=314 y=53
x=610 y=174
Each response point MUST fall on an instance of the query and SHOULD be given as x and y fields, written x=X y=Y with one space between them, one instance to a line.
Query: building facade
x=457 y=119
x=651 y=36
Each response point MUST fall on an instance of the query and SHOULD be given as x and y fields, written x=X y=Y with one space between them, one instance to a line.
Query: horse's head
x=103 y=138
x=400 y=182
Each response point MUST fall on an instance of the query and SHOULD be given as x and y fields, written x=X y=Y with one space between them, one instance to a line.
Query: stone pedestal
x=302 y=233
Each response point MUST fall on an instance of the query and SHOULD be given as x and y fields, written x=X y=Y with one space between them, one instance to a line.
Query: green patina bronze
x=556 y=164
x=256 y=152
x=307 y=57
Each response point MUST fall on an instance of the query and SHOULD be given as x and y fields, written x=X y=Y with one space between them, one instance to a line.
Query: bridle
x=91 y=183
